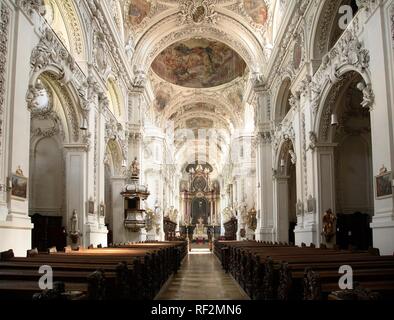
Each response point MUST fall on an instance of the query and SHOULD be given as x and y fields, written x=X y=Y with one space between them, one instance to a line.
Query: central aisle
x=201 y=277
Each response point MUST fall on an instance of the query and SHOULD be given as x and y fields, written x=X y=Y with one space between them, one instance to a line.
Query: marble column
x=76 y=190
x=120 y=233
x=281 y=187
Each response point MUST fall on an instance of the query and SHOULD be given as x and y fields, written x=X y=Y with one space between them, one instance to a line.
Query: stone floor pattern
x=201 y=277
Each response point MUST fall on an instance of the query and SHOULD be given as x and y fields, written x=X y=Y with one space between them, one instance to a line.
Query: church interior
x=244 y=147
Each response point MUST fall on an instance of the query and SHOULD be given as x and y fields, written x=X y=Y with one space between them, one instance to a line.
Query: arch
x=344 y=153
x=116 y=99
x=330 y=97
x=281 y=104
x=55 y=19
x=50 y=59
x=286 y=192
x=61 y=107
x=325 y=30
x=285 y=151
x=71 y=114
x=65 y=19
x=168 y=31
x=180 y=101
x=114 y=157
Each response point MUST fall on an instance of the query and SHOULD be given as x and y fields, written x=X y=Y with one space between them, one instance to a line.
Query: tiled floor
x=202 y=278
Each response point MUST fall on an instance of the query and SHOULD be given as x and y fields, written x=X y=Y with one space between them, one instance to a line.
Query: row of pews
x=123 y=271
x=277 y=271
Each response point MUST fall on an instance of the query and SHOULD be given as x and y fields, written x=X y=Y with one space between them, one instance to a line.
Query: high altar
x=199 y=203
x=200 y=232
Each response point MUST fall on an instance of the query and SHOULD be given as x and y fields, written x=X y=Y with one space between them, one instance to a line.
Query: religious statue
x=158 y=217
x=74 y=233
x=368 y=95
x=244 y=212
x=149 y=219
x=200 y=222
x=252 y=219
x=227 y=214
x=129 y=48
x=328 y=225
x=157 y=208
x=135 y=168
x=173 y=214
x=235 y=210
x=74 y=222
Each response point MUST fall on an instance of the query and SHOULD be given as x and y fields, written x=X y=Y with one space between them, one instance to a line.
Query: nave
x=132 y=129
x=201 y=277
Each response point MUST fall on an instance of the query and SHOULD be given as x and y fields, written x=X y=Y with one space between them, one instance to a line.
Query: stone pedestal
x=96 y=235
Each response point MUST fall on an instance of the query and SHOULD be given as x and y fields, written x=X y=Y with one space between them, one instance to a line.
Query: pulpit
x=134 y=214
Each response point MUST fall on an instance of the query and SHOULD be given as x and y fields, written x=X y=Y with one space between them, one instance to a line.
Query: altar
x=200 y=232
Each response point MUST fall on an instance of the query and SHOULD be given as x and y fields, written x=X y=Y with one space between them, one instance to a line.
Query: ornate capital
x=264 y=137
x=140 y=78
x=258 y=81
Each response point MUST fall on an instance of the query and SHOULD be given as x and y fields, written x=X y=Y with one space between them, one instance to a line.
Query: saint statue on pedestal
x=135 y=168
x=74 y=222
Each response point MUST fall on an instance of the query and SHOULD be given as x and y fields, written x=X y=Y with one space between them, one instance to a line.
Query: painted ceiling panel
x=199 y=63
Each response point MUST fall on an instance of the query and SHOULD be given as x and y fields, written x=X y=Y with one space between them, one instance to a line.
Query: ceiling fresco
x=199 y=123
x=257 y=10
x=200 y=106
x=199 y=63
x=138 y=10
x=163 y=97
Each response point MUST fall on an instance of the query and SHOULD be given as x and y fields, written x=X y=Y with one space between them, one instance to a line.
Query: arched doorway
x=47 y=170
x=113 y=183
x=286 y=190
x=353 y=169
x=345 y=132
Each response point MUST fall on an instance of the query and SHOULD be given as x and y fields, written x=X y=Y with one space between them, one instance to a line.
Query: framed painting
x=102 y=210
x=19 y=186
x=383 y=185
x=90 y=207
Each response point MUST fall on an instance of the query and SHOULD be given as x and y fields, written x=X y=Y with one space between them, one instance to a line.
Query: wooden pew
x=133 y=272
x=269 y=270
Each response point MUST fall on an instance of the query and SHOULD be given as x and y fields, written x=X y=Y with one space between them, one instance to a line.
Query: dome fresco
x=199 y=63
x=257 y=10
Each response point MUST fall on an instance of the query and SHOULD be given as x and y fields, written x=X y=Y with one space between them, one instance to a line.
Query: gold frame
x=18 y=176
x=384 y=176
